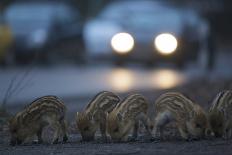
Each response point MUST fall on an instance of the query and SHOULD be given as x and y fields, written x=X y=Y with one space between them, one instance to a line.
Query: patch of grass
x=4 y=119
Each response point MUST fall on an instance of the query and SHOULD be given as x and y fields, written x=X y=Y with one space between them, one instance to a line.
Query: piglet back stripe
x=175 y=102
x=103 y=100
x=218 y=98
x=136 y=106
x=221 y=100
x=132 y=105
x=129 y=98
x=40 y=106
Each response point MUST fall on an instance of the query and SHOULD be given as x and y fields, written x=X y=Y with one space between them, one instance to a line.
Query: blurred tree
x=218 y=13
x=4 y=4
x=87 y=8
x=90 y=8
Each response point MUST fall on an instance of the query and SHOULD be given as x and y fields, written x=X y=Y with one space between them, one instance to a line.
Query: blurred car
x=39 y=27
x=146 y=31
x=5 y=41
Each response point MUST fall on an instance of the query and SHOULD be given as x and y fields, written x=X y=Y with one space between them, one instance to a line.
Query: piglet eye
x=198 y=125
x=14 y=131
x=86 y=128
x=116 y=130
x=151 y=127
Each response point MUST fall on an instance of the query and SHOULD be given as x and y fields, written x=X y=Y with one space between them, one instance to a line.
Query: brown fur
x=190 y=118
x=220 y=115
x=94 y=115
x=47 y=110
x=126 y=116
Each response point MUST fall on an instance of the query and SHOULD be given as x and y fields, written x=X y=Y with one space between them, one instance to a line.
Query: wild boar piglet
x=126 y=117
x=220 y=114
x=93 y=117
x=47 y=110
x=190 y=118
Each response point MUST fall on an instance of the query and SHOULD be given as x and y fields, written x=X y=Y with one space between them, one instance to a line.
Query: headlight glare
x=122 y=43
x=166 y=43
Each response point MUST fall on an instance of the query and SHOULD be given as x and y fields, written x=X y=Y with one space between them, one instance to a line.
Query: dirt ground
x=74 y=146
x=201 y=91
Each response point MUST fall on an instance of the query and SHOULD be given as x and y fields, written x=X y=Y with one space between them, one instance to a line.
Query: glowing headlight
x=165 y=43
x=122 y=43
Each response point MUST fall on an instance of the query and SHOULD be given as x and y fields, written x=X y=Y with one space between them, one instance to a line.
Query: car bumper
x=147 y=53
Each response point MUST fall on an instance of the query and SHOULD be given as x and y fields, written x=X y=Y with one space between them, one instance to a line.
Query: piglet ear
x=222 y=111
x=106 y=114
x=10 y=120
x=77 y=115
x=223 y=114
x=209 y=132
x=192 y=114
x=119 y=116
x=89 y=116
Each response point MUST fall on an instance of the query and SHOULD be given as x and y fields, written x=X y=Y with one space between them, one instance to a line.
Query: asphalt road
x=70 y=81
x=77 y=84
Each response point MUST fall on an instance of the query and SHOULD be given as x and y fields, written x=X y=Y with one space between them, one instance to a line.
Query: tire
x=206 y=57
x=9 y=59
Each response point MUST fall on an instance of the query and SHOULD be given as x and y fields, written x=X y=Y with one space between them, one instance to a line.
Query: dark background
x=218 y=12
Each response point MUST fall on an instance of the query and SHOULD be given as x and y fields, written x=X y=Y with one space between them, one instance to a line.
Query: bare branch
x=19 y=85
x=8 y=91
x=16 y=85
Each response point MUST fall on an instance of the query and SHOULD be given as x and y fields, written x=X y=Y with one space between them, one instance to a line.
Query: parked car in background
x=45 y=30
x=5 y=42
x=148 y=32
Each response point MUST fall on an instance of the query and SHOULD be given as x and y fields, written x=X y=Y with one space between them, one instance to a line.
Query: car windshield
x=148 y=21
x=118 y=9
x=141 y=16
x=32 y=14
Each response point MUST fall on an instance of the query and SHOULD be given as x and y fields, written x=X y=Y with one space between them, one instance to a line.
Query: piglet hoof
x=35 y=142
x=40 y=142
x=12 y=143
x=155 y=139
x=83 y=141
x=104 y=140
x=190 y=139
x=209 y=137
x=65 y=139
x=19 y=142
x=132 y=139
x=224 y=137
x=55 y=141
